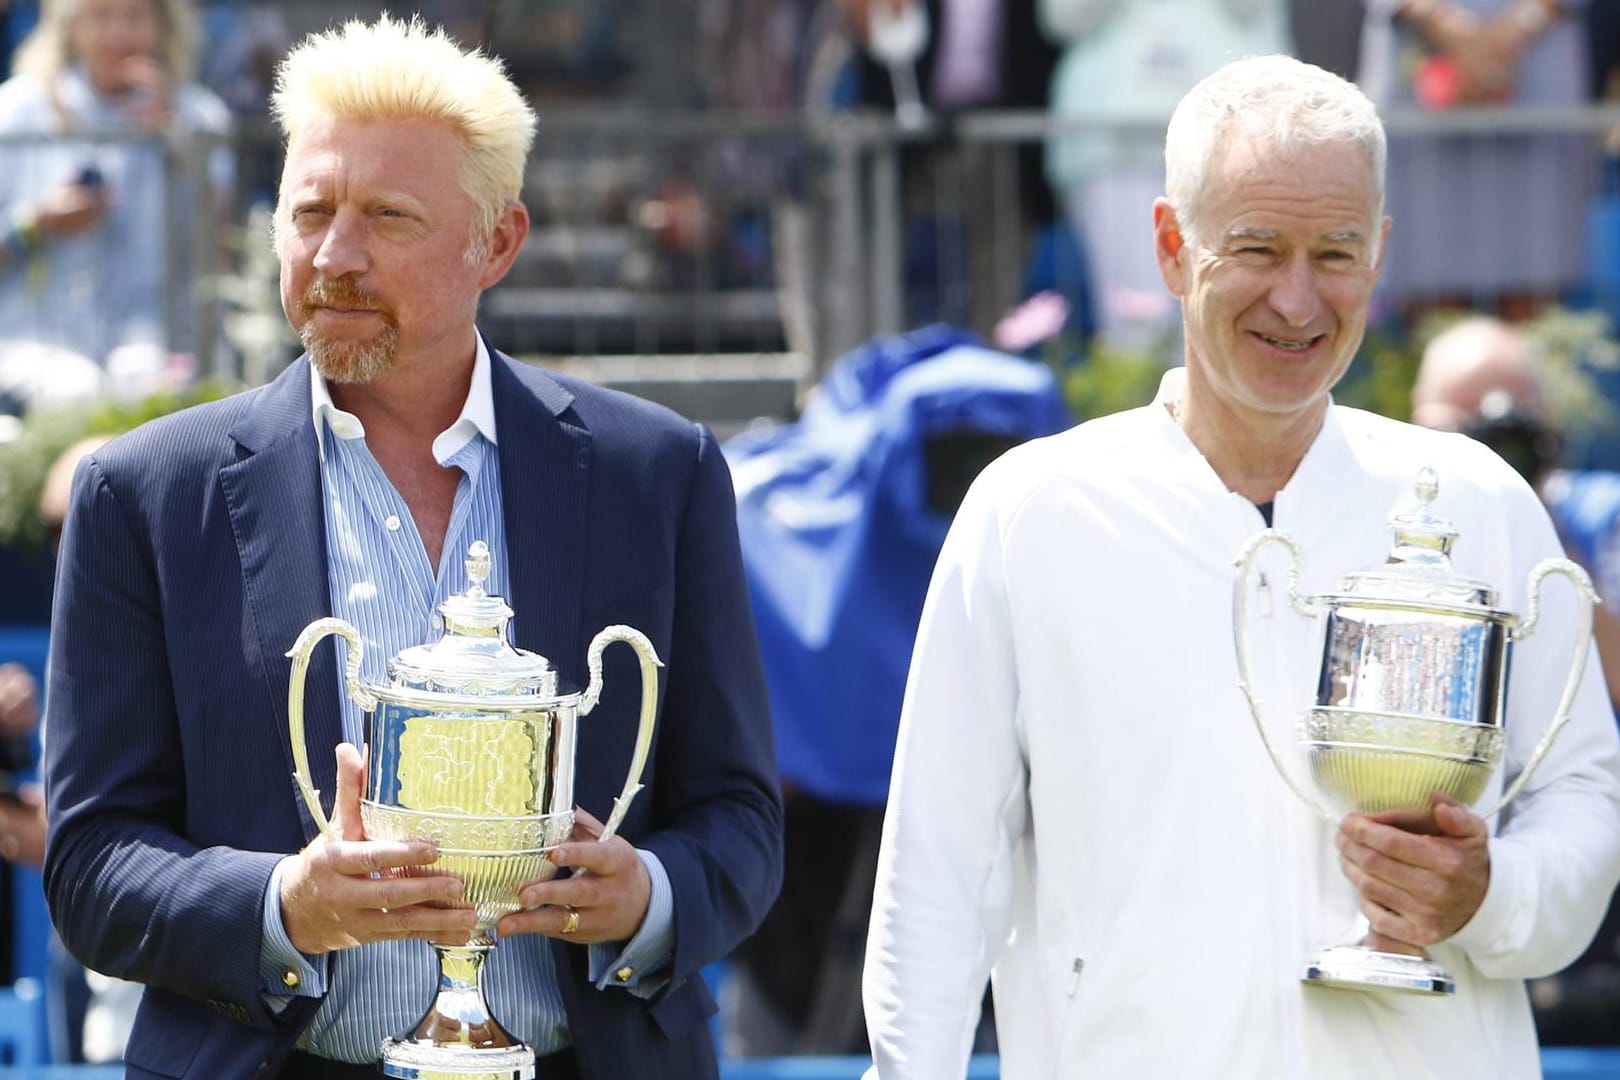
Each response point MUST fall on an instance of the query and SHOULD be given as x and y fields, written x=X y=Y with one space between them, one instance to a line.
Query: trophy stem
x=459 y=1037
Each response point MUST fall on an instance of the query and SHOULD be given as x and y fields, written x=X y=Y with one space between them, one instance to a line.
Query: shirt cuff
x=1503 y=918
x=284 y=972
x=636 y=967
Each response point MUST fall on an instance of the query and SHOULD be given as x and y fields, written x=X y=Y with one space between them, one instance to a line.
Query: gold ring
x=571 y=923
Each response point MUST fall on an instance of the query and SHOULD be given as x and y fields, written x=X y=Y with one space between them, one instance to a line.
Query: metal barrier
x=702 y=233
x=889 y=184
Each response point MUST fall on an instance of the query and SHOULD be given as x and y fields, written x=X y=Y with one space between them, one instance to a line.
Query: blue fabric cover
x=1588 y=513
x=839 y=541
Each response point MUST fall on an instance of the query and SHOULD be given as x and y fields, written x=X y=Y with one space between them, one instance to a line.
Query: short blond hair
x=396 y=70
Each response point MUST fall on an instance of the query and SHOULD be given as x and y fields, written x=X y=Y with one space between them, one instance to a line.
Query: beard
x=346 y=360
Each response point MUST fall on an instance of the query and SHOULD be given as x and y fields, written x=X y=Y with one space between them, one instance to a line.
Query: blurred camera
x=1518 y=437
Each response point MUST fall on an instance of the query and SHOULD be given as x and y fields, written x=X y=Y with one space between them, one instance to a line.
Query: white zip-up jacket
x=1082 y=806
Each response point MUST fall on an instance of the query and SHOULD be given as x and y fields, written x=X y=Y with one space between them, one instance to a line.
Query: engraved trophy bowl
x=1411 y=698
x=471 y=745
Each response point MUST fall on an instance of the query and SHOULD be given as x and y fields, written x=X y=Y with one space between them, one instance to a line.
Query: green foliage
x=1570 y=345
x=45 y=434
x=1110 y=379
x=1381 y=376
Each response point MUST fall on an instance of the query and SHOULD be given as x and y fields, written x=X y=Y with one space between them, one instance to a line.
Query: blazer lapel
x=545 y=457
x=273 y=495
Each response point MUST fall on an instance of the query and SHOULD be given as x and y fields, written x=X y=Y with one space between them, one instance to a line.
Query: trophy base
x=415 y=1061
x=458 y=1039
x=1355 y=967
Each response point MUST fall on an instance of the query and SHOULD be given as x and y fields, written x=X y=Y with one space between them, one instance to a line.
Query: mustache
x=344 y=293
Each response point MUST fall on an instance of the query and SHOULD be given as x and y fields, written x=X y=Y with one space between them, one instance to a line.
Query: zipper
x=1264 y=590
x=1074 y=975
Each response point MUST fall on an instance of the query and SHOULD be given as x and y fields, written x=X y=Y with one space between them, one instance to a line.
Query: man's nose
x=342 y=249
x=1294 y=295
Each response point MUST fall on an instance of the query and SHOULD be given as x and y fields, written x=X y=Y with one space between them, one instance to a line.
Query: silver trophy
x=471 y=745
x=1410 y=700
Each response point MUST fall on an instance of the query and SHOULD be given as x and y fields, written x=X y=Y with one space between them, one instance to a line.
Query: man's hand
x=22 y=826
x=609 y=890
x=69 y=209
x=344 y=890
x=148 y=104
x=1421 y=874
x=19 y=702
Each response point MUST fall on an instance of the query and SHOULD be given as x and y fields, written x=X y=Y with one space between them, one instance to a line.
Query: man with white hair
x=1081 y=808
x=198 y=547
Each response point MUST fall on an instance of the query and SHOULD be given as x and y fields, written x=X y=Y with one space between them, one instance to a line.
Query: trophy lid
x=1419 y=565
x=472 y=655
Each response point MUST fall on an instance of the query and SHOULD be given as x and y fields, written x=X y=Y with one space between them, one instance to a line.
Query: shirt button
x=624 y=973
x=289 y=979
x=392 y=521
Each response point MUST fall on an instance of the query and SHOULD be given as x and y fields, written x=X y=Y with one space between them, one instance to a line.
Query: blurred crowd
x=121 y=159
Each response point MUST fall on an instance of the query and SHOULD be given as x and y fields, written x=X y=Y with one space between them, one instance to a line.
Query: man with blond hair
x=198 y=547
x=1081 y=807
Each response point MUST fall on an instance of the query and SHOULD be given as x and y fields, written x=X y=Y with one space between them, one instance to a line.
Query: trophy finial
x=1422 y=537
x=1426 y=487
x=477 y=568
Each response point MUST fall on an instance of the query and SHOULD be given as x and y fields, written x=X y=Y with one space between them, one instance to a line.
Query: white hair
x=1277 y=99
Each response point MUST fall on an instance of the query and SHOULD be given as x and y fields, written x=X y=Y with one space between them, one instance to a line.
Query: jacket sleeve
x=942 y=908
x=1556 y=858
x=716 y=804
x=129 y=894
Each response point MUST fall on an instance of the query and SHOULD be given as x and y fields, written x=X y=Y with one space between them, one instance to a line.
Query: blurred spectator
x=1480 y=377
x=972 y=54
x=95 y=231
x=1481 y=219
x=22 y=808
x=1603 y=39
x=242 y=41
x=1327 y=33
x=778 y=59
x=1127 y=62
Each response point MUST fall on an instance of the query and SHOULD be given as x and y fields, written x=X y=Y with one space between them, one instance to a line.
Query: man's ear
x=504 y=241
x=1383 y=245
x=1168 y=246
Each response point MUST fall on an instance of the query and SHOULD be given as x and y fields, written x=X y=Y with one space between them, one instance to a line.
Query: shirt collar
x=477 y=412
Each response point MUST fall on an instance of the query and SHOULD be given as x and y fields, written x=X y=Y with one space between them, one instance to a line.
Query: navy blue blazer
x=194 y=553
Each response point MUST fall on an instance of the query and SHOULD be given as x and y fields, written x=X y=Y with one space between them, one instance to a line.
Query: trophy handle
x=649 y=707
x=299 y=654
x=1240 y=620
x=1585 y=598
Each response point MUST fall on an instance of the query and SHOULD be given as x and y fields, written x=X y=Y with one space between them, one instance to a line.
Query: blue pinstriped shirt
x=382 y=583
